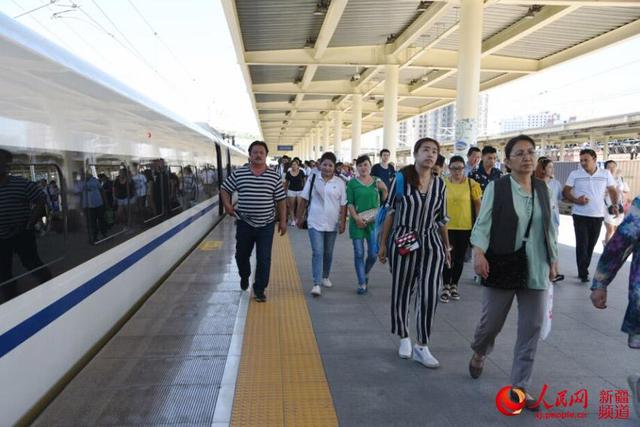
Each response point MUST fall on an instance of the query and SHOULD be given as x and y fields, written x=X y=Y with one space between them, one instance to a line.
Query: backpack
x=382 y=212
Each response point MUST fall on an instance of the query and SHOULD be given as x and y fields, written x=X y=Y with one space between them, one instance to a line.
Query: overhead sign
x=285 y=147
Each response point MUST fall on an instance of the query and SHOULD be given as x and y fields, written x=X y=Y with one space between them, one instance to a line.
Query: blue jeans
x=262 y=237
x=322 y=248
x=363 y=267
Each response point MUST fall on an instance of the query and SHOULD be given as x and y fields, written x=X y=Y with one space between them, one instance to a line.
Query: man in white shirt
x=586 y=188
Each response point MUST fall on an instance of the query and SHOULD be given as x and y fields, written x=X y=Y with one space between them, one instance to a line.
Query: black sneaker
x=584 y=279
x=261 y=297
x=244 y=283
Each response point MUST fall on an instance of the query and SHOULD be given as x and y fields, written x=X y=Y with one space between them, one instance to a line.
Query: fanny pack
x=407 y=243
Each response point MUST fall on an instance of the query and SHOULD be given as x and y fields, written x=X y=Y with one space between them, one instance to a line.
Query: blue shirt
x=386 y=175
x=91 y=196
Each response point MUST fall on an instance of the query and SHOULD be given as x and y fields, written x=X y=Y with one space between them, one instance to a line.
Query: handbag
x=305 y=223
x=369 y=216
x=510 y=271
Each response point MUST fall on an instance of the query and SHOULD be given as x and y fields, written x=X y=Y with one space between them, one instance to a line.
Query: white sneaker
x=634 y=341
x=327 y=283
x=421 y=354
x=405 y=348
x=316 y=292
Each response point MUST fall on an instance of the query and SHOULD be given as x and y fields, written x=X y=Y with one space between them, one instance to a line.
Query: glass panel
x=209 y=180
x=106 y=197
x=175 y=189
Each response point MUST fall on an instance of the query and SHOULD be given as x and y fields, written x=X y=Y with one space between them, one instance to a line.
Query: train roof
x=44 y=83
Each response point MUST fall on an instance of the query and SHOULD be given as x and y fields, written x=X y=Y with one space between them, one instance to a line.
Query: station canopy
x=303 y=59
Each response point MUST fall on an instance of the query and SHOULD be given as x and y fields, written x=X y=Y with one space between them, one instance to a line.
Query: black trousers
x=247 y=237
x=459 y=240
x=24 y=245
x=587 y=230
x=96 y=222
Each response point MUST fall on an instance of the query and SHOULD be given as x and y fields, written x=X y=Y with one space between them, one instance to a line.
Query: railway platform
x=200 y=352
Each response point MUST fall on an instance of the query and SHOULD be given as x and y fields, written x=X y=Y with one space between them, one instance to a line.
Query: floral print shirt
x=625 y=241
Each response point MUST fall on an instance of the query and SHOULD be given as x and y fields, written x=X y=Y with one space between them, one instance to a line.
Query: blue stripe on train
x=31 y=326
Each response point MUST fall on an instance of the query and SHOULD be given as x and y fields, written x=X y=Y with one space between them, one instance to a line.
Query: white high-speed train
x=81 y=135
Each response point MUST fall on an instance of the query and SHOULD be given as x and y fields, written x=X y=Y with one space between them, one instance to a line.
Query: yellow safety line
x=281 y=381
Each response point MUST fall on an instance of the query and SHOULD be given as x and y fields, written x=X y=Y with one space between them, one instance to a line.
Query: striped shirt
x=16 y=197
x=257 y=194
x=422 y=213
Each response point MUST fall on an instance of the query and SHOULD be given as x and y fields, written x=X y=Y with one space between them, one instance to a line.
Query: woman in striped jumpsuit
x=422 y=209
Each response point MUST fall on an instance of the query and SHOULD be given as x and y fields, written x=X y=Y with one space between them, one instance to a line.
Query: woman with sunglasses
x=463 y=204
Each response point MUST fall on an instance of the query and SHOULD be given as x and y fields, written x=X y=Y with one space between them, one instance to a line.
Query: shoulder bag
x=305 y=223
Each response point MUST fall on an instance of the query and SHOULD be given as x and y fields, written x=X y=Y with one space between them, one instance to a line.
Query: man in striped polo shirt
x=259 y=189
x=21 y=203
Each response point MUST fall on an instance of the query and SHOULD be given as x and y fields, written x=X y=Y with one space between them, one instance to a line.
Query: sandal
x=455 y=295
x=445 y=295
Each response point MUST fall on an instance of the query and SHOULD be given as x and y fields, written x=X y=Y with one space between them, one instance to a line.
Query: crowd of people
x=424 y=218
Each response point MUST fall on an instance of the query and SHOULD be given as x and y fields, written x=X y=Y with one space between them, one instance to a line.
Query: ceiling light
x=355 y=77
x=424 y=5
x=335 y=98
x=391 y=38
x=292 y=100
x=310 y=43
x=321 y=8
x=380 y=103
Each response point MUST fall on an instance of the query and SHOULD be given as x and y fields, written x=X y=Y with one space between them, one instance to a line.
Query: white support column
x=319 y=147
x=337 y=134
x=562 y=152
x=605 y=149
x=468 y=87
x=325 y=135
x=312 y=142
x=356 y=126
x=390 y=132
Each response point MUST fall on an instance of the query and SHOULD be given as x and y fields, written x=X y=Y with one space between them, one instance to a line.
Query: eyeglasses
x=522 y=153
x=456 y=168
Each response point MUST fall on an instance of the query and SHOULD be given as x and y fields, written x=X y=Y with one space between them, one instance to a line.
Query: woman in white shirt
x=327 y=216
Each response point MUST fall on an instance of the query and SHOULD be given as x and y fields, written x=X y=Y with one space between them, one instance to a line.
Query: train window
x=209 y=181
x=33 y=239
x=157 y=181
x=189 y=187
x=107 y=194
x=175 y=190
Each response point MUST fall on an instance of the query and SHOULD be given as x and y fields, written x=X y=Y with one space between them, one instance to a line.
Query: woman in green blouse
x=363 y=199
x=520 y=199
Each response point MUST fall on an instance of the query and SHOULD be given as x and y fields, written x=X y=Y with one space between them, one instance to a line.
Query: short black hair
x=362 y=159
x=384 y=150
x=608 y=162
x=459 y=159
x=513 y=141
x=440 y=160
x=590 y=152
x=329 y=156
x=472 y=150
x=488 y=149
x=260 y=143
x=6 y=156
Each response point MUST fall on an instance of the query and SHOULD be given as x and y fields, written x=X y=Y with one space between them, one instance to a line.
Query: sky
x=180 y=54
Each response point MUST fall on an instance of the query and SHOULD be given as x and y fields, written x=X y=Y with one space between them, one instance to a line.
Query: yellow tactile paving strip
x=281 y=381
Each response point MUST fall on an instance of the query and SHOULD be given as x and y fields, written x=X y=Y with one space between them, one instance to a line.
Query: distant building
x=531 y=121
